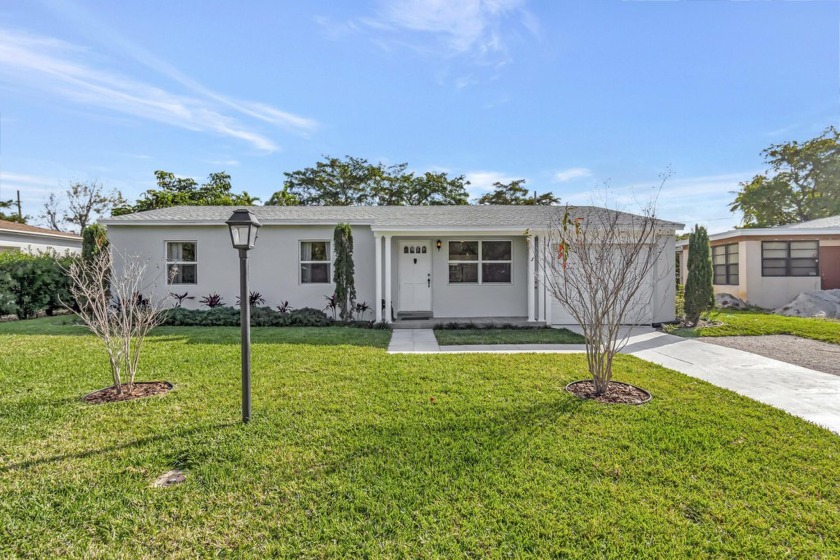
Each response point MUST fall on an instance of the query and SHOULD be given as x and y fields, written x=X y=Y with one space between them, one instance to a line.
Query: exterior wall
x=274 y=262
x=469 y=300
x=774 y=292
x=656 y=298
x=27 y=243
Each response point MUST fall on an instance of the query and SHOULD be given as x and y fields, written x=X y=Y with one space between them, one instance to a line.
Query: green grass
x=447 y=337
x=751 y=323
x=355 y=452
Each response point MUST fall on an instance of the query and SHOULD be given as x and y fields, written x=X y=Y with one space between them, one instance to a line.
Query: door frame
x=400 y=244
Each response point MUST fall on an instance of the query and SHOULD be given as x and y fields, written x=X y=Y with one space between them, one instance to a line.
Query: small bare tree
x=601 y=265
x=111 y=304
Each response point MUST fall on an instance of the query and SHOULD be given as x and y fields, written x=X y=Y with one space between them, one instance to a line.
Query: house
x=443 y=262
x=15 y=237
x=768 y=267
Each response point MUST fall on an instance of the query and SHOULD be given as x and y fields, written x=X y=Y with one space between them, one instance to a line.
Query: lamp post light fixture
x=438 y=244
x=243 y=234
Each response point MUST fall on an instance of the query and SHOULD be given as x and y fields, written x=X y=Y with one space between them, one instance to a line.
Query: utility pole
x=20 y=214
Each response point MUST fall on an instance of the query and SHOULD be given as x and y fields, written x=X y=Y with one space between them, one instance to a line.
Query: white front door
x=415 y=273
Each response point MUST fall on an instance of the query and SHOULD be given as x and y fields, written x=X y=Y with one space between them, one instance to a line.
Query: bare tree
x=601 y=265
x=84 y=203
x=110 y=301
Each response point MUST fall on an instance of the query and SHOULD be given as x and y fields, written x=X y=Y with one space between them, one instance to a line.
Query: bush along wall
x=30 y=284
x=260 y=317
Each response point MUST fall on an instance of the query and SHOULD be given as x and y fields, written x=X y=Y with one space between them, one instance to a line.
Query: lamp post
x=243 y=234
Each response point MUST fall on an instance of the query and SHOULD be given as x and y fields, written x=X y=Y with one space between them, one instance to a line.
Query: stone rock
x=170 y=478
x=728 y=301
x=819 y=303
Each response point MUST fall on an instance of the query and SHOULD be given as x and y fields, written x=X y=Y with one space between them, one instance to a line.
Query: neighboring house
x=15 y=237
x=443 y=262
x=768 y=267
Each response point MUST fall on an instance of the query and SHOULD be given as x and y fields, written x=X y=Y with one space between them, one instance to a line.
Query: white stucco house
x=16 y=238
x=442 y=262
x=769 y=267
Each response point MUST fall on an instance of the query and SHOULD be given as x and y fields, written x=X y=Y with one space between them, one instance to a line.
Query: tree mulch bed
x=617 y=392
x=141 y=389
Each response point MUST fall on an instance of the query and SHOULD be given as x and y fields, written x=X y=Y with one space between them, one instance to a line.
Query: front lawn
x=751 y=323
x=355 y=452
x=447 y=337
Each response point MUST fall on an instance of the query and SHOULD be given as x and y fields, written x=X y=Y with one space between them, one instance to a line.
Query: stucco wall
x=772 y=292
x=14 y=242
x=274 y=262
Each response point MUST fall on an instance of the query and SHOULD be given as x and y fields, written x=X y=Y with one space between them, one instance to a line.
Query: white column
x=530 y=279
x=387 y=278
x=540 y=252
x=549 y=299
x=377 y=243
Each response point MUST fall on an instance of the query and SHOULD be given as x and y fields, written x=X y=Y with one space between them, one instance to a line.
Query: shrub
x=699 y=293
x=212 y=301
x=30 y=284
x=260 y=317
x=680 y=302
x=254 y=299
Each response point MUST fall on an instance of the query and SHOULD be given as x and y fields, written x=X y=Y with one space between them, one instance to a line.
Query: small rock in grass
x=170 y=478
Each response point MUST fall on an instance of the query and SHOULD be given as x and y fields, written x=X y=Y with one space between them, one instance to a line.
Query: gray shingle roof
x=821 y=223
x=377 y=216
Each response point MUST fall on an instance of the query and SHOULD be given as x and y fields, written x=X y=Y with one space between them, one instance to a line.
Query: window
x=480 y=262
x=725 y=263
x=181 y=262
x=315 y=262
x=789 y=258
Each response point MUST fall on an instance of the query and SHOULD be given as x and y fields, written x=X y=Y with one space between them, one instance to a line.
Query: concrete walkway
x=808 y=394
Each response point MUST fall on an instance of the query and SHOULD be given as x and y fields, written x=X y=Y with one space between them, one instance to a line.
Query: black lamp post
x=243 y=233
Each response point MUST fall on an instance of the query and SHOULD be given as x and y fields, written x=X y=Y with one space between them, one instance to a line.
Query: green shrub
x=260 y=317
x=699 y=293
x=30 y=284
x=680 y=302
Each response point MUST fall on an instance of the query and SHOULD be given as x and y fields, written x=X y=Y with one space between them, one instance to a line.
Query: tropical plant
x=332 y=305
x=254 y=299
x=179 y=298
x=212 y=301
x=284 y=307
x=361 y=309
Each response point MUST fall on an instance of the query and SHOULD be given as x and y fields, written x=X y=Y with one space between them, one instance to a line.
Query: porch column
x=549 y=299
x=387 y=278
x=540 y=252
x=377 y=244
x=530 y=279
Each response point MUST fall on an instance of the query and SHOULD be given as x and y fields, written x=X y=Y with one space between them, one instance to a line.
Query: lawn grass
x=752 y=323
x=355 y=452
x=446 y=337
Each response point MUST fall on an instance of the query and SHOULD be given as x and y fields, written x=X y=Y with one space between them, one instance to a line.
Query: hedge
x=30 y=284
x=260 y=317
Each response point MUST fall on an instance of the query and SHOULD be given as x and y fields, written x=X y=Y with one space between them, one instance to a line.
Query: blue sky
x=570 y=95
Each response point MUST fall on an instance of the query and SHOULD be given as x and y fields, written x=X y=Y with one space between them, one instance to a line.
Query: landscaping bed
x=450 y=337
x=352 y=452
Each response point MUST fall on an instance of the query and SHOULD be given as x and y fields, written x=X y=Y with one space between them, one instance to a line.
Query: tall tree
x=699 y=292
x=80 y=205
x=803 y=183
x=12 y=216
x=356 y=182
x=343 y=271
x=515 y=193
x=181 y=191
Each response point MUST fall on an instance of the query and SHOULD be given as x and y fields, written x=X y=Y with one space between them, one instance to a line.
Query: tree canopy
x=803 y=183
x=356 y=182
x=12 y=216
x=80 y=205
x=515 y=193
x=181 y=191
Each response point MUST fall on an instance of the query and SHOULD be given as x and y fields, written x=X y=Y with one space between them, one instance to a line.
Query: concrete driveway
x=803 y=392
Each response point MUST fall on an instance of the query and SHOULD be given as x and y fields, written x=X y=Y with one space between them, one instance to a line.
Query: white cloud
x=481 y=182
x=477 y=28
x=63 y=69
x=571 y=173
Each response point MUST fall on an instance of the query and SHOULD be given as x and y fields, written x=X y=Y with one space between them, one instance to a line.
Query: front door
x=415 y=273
x=830 y=267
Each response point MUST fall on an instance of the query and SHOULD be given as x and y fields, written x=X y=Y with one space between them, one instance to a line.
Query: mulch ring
x=617 y=392
x=141 y=389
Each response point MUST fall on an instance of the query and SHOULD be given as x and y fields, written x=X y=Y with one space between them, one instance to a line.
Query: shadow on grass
x=116 y=447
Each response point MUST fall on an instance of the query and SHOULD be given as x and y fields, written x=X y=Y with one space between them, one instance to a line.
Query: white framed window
x=480 y=262
x=182 y=262
x=315 y=262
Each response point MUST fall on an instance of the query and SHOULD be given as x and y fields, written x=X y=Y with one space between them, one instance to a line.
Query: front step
x=409 y=315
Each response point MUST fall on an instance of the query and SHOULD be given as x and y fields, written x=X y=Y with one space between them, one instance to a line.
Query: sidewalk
x=808 y=394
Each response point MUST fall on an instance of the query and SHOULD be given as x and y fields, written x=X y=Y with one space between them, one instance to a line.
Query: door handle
x=428 y=280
